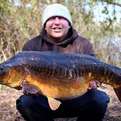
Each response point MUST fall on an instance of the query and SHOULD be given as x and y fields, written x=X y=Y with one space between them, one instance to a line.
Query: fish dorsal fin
x=53 y=103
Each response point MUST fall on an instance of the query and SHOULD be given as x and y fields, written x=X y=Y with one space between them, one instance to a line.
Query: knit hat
x=56 y=10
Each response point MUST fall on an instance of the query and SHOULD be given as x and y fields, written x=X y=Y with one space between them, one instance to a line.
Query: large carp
x=58 y=75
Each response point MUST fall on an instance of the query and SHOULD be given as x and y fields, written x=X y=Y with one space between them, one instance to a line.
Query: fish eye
x=1 y=69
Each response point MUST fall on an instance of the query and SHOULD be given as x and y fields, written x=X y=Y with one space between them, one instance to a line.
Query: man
x=59 y=35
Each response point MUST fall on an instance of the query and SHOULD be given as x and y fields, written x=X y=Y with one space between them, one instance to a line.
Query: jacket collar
x=72 y=35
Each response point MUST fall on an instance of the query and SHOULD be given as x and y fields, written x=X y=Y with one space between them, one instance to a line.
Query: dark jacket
x=72 y=43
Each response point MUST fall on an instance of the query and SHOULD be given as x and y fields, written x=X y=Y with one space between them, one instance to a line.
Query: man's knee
x=101 y=98
x=24 y=102
x=100 y=101
x=33 y=108
x=32 y=102
x=96 y=107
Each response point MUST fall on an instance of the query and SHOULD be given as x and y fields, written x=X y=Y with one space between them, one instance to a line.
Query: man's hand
x=93 y=84
x=28 y=89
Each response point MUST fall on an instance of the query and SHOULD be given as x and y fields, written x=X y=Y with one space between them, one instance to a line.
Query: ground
x=8 y=110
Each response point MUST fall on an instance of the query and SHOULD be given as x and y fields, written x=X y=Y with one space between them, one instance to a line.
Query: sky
x=97 y=10
x=99 y=16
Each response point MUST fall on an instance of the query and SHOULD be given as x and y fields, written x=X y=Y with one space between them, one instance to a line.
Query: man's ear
x=118 y=92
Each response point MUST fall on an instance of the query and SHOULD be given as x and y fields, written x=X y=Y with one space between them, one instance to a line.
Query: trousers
x=88 y=107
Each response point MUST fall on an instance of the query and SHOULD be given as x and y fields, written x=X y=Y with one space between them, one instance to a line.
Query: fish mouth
x=10 y=85
x=1 y=81
x=18 y=87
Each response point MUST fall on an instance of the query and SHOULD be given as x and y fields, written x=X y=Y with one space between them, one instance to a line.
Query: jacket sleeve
x=29 y=45
x=85 y=46
x=28 y=89
x=88 y=49
x=34 y=44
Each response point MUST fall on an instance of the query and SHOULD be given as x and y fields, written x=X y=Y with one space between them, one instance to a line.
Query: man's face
x=57 y=27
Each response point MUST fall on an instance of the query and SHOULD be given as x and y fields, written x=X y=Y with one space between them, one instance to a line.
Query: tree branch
x=114 y=3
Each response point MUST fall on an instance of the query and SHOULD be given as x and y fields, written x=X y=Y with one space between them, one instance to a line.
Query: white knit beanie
x=56 y=10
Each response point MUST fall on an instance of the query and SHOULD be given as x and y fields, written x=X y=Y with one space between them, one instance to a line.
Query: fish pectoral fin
x=53 y=103
x=118 y=92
